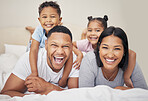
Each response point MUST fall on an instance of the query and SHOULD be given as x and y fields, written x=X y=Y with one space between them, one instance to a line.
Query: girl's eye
x=89 y=30
x=97 y=30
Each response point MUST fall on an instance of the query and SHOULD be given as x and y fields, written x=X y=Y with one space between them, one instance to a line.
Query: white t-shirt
x=22 y=68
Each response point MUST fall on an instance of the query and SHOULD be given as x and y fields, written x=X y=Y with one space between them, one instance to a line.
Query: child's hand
x=84 y=33
x=77 y=63
x=128 y=82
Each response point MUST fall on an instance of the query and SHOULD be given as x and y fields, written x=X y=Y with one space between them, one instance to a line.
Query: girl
x=106 y=64
x=94 y=28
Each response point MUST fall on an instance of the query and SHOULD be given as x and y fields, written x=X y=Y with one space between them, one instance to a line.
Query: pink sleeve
x=82 y=44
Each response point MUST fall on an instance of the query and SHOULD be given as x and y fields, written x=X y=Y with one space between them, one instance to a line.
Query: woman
x=106 y=65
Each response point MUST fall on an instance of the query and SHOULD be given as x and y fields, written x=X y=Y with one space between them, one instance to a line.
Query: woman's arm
x=138 y=78
x=87 y=72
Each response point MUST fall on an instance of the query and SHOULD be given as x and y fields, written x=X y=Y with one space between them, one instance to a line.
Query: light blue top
x=39 y=35
x=91 y=75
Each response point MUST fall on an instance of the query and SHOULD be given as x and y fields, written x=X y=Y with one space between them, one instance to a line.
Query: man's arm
x=14 y=86
x=40 y=86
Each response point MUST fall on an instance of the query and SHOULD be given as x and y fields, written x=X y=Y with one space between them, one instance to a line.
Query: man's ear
x=46 y=44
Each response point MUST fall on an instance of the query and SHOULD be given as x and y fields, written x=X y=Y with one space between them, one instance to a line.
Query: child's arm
x=67 y=69
x=83 y=35
x=33 y=57
x=79 y=56
x=130 y=68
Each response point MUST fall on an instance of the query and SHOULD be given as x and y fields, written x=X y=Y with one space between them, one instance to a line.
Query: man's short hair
x=61 y=29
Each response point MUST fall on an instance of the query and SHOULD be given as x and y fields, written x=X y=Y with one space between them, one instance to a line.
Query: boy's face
x=49 y=18
x=59 y=48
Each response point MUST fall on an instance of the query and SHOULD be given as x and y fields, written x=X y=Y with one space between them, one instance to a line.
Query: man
x=51 y=59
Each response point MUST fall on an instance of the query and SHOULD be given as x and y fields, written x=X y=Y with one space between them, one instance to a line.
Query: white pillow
x=18 y=50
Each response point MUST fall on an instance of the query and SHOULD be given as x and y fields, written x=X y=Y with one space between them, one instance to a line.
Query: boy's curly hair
x=50 y=4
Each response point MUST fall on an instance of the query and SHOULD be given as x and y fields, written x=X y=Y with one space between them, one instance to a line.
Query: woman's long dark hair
x=116 y=31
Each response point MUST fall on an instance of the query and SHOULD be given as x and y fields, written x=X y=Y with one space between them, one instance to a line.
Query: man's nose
x=60 y=50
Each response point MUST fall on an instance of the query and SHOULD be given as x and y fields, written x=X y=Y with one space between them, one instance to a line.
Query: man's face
x=59 y=48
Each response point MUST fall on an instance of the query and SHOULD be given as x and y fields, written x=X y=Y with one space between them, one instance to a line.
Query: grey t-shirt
x=91 y=75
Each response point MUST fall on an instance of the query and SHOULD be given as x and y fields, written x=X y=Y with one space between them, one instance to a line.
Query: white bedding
x=98 y=93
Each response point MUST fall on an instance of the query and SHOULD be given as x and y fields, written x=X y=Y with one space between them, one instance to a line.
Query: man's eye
x=53 y=45
x=66 y=46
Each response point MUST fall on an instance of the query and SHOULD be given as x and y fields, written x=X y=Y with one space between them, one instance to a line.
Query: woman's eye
x=117 y=49
x=104 y=47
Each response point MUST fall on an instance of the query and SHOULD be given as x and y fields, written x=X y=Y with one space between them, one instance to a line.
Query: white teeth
x=48 y=25
x=110 y=60
x=58 y=59
x=93 y=37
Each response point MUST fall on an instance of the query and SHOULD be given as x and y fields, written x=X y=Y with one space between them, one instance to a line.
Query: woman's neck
x=110 y=74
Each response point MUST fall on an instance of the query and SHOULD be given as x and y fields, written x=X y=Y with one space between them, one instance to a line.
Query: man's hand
x=38 y=85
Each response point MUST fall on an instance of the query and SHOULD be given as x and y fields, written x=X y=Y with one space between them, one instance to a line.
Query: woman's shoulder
x=90 y=55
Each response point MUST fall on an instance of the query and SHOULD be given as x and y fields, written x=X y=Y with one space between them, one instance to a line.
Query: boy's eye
x=52 y=16
x=44 y=16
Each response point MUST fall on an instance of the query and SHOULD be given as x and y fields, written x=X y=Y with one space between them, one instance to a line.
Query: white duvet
x=98 y=93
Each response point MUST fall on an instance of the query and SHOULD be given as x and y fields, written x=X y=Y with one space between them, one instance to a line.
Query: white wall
x=131 y=15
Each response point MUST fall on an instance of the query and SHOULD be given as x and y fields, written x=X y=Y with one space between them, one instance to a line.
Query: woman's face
x=111 y=52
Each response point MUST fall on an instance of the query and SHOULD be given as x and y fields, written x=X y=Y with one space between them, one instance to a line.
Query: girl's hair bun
x=105 y=18
x=89 y=18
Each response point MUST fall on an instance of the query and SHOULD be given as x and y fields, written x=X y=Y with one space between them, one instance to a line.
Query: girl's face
x=93 y=31
x=49 y=18
x=111 y=52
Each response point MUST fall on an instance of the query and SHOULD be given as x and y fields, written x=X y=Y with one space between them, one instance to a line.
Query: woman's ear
x=46 y=44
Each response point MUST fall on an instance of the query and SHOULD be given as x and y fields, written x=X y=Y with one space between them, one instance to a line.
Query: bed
x=13 y=43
